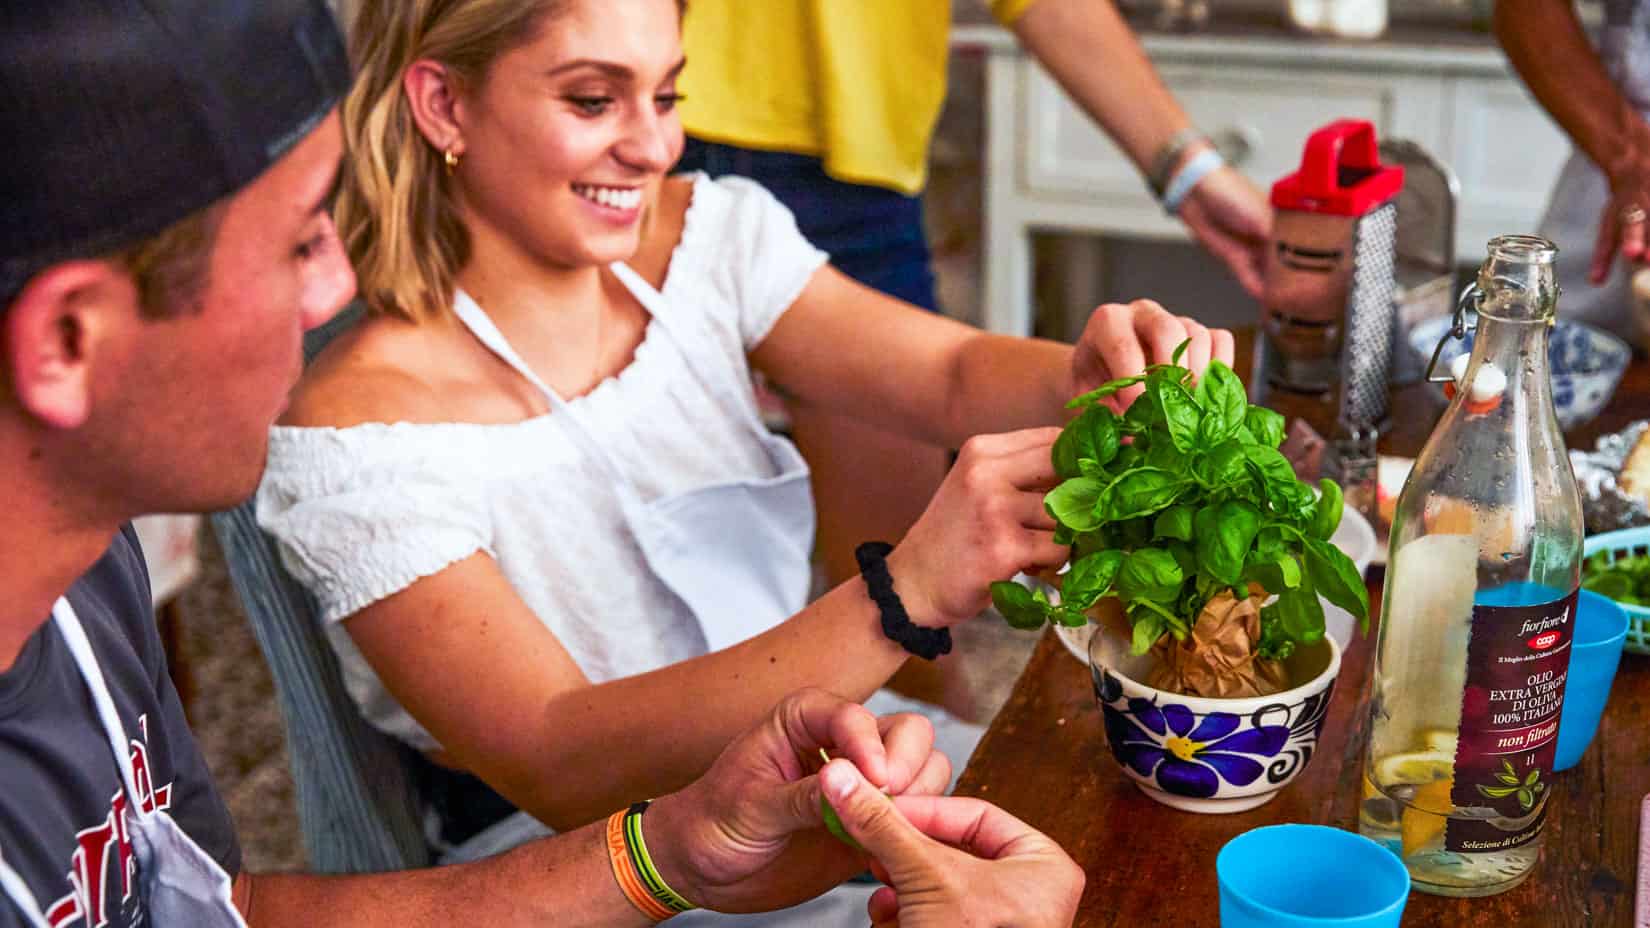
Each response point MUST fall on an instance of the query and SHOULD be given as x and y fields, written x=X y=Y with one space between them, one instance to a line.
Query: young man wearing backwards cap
x=167 y=243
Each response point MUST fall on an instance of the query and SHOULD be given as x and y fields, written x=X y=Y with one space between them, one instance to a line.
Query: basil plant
x=1182 y=497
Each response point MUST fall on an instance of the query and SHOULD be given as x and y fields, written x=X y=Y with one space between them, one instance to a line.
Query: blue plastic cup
x=1309 y=876
x=1595 y=652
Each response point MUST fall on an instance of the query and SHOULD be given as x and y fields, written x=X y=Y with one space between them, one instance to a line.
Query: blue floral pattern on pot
x=1170 y=747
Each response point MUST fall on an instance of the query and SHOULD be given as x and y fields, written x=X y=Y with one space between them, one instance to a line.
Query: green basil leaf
x=1104 y=434
x=1140 y=492
x=1147 y=409
x=1225 y=533
x=1149 y=573
x=1326 y=513
x=1274 y=575
x=1182 y=415
x=1301 y=614
x=1104 y=390
x=1186 y=558
x=1270 y=544
x=1174 y=522
x=1222 y=466
x=1264 y=426
x=1336 y=577
x=1147 y=629
x=1089 y=578
x=1274 y=641
x=1074 y=444
x=1179 y=352
x=1017 y=605
x=1162 y=453
x=1224 y=403
x=1072 y=503
x=1128 y=458
x=1069 y=616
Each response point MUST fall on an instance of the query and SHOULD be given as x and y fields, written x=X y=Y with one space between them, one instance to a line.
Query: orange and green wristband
x=638 y=879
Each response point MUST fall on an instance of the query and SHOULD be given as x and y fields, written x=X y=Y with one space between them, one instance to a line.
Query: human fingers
x=1223 y=346
x=872 y=819
x=1604 y=247
x=1158 y=331
x=1030 y=468
x=932 y=779
x=812 y=719
x=972 y=825
x=883 y=907
x=1200 y=347
x=1632 y=220
x=998 y=444
x=908 y=739
x=1109 y=348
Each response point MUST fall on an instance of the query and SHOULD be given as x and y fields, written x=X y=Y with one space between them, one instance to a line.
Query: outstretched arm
x=1093 y=53
x=853 y=351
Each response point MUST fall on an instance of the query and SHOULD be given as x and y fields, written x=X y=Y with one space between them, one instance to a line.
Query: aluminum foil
x=1604 y=507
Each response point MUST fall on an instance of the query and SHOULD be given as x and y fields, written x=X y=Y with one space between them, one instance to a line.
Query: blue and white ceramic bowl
x=1586 y=363
x=1211 y=755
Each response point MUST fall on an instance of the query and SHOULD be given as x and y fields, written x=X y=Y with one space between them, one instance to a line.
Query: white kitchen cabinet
x=1049 y=168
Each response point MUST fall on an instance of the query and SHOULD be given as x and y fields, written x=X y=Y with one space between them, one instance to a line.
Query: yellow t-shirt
x=858 y=83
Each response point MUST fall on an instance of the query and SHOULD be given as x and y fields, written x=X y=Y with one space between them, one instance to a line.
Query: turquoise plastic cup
x=1595 y=652
x=1309 y=876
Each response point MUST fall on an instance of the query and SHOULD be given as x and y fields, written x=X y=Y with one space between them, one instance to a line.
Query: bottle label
x=1518 y=658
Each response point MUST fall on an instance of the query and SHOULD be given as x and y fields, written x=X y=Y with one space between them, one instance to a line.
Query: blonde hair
x=395 y=210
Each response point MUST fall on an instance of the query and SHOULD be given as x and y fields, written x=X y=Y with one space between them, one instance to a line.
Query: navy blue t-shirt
x=59 y=788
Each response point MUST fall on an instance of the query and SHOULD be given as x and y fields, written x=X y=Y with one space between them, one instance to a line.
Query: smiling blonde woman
x=556 y=549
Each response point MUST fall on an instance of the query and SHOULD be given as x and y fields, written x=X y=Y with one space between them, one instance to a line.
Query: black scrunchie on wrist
x=926 y=643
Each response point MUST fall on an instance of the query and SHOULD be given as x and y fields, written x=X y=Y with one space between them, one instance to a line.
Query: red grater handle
x=1340 y=173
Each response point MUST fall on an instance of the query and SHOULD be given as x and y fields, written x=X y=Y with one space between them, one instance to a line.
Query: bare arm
x=1089 y=48
x=1091 y=51
x=565 y=880
x=745 y=837
x=478 y=669
x=938 y=380
x=1546 y=44
x=472 y=663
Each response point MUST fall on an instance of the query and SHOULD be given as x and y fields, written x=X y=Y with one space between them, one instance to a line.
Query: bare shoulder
x=375 y=372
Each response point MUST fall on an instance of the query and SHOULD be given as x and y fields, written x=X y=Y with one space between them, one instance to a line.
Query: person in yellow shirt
x=831 y=105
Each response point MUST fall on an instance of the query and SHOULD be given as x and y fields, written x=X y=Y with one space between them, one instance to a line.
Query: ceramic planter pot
x=1211 y=755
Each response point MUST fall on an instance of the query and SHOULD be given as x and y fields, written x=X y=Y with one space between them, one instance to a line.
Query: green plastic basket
x=1627 y=542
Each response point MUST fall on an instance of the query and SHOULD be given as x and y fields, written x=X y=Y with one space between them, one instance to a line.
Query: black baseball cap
x=121 y=117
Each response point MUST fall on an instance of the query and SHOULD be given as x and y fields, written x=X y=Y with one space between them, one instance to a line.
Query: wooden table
x=1045 y=759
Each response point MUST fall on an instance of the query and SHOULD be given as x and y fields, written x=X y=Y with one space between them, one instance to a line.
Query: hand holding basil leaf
x=1184 y=497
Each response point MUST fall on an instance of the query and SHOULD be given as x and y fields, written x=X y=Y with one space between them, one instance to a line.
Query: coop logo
x=102 y=867
x=1546 y=631
x=1544 y=641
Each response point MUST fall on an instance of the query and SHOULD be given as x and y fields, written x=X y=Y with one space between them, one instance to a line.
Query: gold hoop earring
x=450 y=159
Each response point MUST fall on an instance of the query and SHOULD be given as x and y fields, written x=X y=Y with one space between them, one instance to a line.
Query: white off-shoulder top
x=361 y=513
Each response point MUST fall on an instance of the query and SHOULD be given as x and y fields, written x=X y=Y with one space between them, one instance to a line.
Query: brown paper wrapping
x=1218 y=658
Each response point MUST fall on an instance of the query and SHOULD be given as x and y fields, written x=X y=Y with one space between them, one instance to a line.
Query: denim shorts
x=872 y=234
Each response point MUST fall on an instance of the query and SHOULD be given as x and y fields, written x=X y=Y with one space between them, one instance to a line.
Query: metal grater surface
x=1366 y=355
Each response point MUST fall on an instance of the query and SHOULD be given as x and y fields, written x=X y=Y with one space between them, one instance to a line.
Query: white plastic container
x=1345 y=19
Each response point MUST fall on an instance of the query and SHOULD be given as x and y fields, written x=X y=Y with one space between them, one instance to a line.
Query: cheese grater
x=1328 y=314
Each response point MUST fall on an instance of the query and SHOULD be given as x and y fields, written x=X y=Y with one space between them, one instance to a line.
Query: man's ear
x=432 y=96
x=53 y=332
